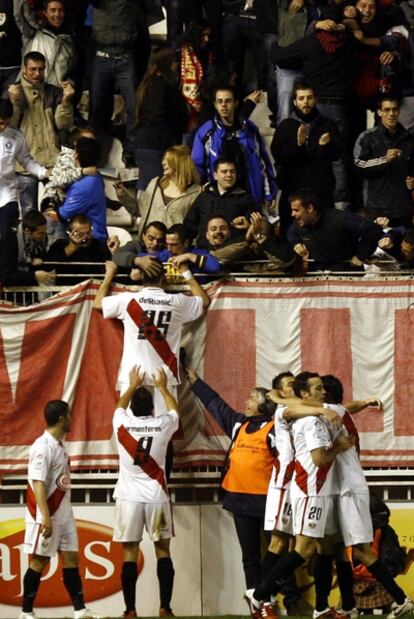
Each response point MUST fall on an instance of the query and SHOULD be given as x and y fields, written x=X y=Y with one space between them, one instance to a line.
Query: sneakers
x=397 y=610
x=166 y=612
x=24 y=615
x=252 y=603
x=267 y=611
x=86 y=613
x=328 y=613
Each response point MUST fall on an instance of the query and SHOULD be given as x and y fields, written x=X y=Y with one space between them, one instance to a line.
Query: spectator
x=221 y=71
x=120 y=32
x=80 y=246
x=10 y=47
x=267 y=243
x=178 y=252
x=224 y=198
x=53 y=39
x=267 y=30
x=195 y=59
x=161 y=115
x=142 y=255
x=331 y=239
x=398 y=249
x=220 y=243
x=304 y=147
x=64 y=172
x=86 y=196
x=13 y=147
x=41 y=110
x=241 y=142
x=327 y=59
x=240 y=33
x=191 y=10
x=22 y=253
x=168 y=197
x=385 y=158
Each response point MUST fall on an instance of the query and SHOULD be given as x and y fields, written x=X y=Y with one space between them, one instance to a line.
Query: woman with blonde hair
x=167 y=198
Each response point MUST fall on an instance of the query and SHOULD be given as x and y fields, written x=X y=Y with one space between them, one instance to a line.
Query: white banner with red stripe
x=361 y=331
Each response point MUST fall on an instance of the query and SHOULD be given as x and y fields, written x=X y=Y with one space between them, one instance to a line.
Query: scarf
x=331 y=41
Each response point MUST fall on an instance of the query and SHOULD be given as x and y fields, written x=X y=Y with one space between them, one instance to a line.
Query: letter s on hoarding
x=100 y=564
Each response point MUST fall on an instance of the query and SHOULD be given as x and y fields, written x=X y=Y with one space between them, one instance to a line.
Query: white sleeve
x=118 y=418
x=171 y=420
x=191 y=308
x=112 y=306
x=39 y=463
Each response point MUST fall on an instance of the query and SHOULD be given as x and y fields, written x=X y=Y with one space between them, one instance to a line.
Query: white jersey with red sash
x=49 y=463
x=311 y=433
x=153 y=321
x=285 y=462
x=349 y=471
x=142 y=446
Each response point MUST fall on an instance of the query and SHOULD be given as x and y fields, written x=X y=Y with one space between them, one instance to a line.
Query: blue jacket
x=207 y=148
x=208 y=263
x=86 y=196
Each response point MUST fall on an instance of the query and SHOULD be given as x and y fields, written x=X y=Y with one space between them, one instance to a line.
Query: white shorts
x=314 y=516
x=132 y=516
x=354 y=518
x=64 y=537
x=278 y=514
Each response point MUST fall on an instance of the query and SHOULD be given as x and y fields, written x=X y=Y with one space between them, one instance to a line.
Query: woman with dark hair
x=161 y=115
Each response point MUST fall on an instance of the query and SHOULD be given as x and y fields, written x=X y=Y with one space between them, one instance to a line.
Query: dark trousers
x=109 y=74
x=9 y=217
x=250 y=531
x=240 y=33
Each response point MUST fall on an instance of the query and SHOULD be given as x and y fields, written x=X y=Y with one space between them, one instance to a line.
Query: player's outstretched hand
x=160 y=378
x=136 y=377
x=375 y=403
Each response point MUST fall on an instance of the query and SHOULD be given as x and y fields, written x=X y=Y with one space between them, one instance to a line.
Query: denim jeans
x=337 y=112
x=285 y=80
x=239 y=33
x=28 y=192
x=108 y=74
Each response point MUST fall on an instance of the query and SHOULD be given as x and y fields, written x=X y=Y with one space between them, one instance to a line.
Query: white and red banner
x=361 y=331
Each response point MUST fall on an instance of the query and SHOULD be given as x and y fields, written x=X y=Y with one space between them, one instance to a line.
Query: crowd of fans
x=331 y=193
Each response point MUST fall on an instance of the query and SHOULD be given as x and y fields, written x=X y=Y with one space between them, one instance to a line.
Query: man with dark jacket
x=327 y=59
x=328 y=238
x=304 y=147
x=385 y=158
x=224 y=199
x=119 y=28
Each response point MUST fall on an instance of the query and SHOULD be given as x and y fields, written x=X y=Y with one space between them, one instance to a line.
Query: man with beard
x=304 y=147
x=220 y=243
